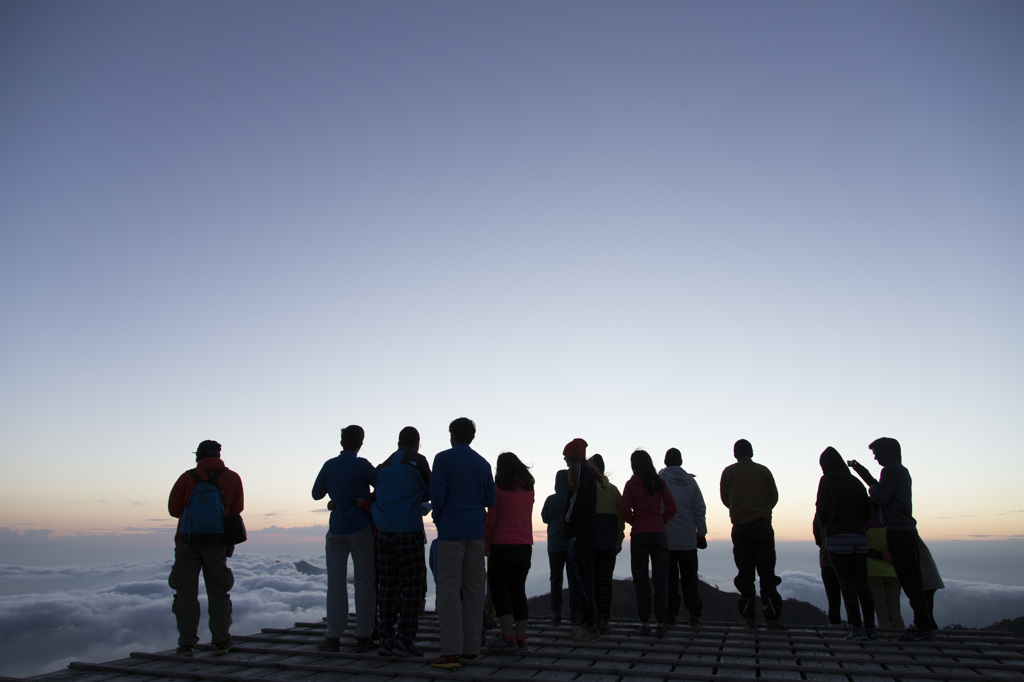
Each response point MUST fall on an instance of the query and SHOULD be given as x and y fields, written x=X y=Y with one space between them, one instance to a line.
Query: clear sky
x=645 y=224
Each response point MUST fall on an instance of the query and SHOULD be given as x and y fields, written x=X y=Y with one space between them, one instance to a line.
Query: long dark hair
x=644 y=469
x=512 y=474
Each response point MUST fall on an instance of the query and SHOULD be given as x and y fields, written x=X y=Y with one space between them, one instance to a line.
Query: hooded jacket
x=228 y=481
x=553 y=510
x=690 y=522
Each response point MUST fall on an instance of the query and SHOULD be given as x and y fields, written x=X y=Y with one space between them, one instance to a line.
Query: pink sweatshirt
x=647 y=513
x=510 y=520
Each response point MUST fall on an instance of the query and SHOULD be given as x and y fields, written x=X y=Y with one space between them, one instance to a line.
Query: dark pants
x=189 y=560
x=753 y=549
x=400 y=574
x=834 y=595
x=581 y=559
x=507 y=568
x=604 y=566
x=852 y=572
x=682 y=566
x=650 y=548
x=557 y=561
x=906 y=559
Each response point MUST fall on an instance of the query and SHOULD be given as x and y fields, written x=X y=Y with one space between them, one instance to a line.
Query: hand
x=702 y=542
x=330 y=505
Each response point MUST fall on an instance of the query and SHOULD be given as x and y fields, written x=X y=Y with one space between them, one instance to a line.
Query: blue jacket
x=345 y=478
x=553 y=510
x=402 y=488
x=461 y=487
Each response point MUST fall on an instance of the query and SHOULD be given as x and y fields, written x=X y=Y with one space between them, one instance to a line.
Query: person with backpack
x=200 y=499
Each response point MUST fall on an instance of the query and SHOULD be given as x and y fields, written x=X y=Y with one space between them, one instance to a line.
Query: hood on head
x=562 y=481
x=831 y=461
x=675 y=474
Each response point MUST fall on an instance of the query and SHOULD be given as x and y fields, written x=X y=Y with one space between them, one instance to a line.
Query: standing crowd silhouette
x=870 y=549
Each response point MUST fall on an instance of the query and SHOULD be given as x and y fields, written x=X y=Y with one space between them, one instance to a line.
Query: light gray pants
x=461 y=586
x=339 y=547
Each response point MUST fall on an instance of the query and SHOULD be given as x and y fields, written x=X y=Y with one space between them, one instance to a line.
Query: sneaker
x=405 y=648
x=386 y=648
x=774 y=624
x=329 y=644
x=915 y=635
x=586 y=634
x=502 y=645
x=363 y=644
x=449 y=662
x=645 y=630
x=750 y=623
x=857 y=633
x=221 y=648
x=185 y=651
x=660 y=631
x=468 y=657
x=521 y=644
x=871 y=633
x=603 y=626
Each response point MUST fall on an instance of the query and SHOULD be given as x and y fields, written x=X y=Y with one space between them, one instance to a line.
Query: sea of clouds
x=52 y=615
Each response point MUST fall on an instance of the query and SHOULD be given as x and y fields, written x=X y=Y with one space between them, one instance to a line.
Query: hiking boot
x=586 y=634
x=915 y=635
x=363 y=644
x=386 y=648
x=750 y=623
x=185 y=651
x=502 y=645
x=449 y=662
x=405 y=649
x=521 y=644
x=660 y=631
x=329 y=644
x=857 y=633
x=871 y=633
x=463 y=658
x=221 y=648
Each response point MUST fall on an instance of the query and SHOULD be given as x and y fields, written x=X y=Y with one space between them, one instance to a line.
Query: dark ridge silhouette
x=719 y=607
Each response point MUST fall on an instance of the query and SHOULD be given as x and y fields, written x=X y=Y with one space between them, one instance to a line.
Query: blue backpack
x=203 y=519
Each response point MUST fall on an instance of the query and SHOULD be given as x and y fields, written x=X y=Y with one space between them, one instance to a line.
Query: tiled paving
x=712 y=652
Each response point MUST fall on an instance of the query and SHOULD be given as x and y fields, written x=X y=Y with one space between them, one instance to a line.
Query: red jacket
x=229 y=482
x=645 y=512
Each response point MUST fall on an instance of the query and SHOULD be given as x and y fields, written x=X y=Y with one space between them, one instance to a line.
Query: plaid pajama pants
x=401 y=576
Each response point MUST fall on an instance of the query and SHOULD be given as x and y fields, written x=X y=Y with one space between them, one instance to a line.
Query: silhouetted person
x=843 y=509
x=553 y=514
x=687 y=531
x=579 y=530
x=894 y=495
x=403 y=487
x=461 y=487
x=508 y=529
x=748 y=490
x=646 y=505
x=931 y=581
x=196 y=550
x=885 y=586
x=345 y=479
x=609 y=530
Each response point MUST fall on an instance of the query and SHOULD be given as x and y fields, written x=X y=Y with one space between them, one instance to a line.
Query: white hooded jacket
x=689 y=523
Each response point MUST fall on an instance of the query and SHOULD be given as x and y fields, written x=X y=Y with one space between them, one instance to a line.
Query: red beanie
x=576 y=449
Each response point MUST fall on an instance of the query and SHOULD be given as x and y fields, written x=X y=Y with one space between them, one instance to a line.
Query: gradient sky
x=646 y=224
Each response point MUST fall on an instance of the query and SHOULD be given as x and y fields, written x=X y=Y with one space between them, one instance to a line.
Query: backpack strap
x=214 y=475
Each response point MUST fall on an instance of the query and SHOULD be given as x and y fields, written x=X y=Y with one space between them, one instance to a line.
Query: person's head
x=409 y=438
x=511 y=473
x=742 y=449
x=575 y=451
x=597 y=462
x=887 y=451
x=462 y=431
x=562 y=481
x=208 y=448
x=643 y=468
x=831 y=461
x=673 y=458
x=352 y=438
